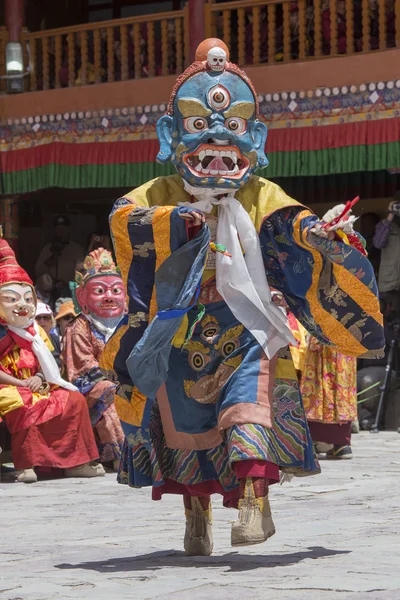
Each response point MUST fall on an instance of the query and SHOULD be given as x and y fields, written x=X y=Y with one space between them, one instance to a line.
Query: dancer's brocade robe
x=82 y=347
x=194 y=412
x=49 y=429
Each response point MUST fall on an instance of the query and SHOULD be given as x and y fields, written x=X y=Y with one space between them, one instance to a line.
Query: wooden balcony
x=283 y=31
x=108 y=51
x=268 y=32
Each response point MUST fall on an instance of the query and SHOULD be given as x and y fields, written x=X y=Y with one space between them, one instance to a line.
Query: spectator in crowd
x=249 y=37
x=388 y=15
x=44 y=288
x=99 y=240
x=45 y=318
x=65 y=315
x=59 y=257
x=294 y=22
x=61 y=301
x=367 y=225
x=341 y=18
x=387 y=239
x=390 y=24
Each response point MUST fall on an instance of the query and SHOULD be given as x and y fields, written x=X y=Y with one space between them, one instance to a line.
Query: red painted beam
x=14 y=18
x=196 y=25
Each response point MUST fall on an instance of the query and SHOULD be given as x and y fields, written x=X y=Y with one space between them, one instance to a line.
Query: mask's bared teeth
x=202 y=155
x=199 y=168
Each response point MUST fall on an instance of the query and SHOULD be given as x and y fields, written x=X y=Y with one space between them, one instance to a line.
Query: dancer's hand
x=34 y=383
x=325 y=230
x=195 y=218
x=319 y=231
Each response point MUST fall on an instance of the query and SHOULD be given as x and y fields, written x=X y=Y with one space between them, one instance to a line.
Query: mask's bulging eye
x=195 y=124
x=210 y=332
x=218 y=97
x=197 y=361
x=236 y=125
x=229 y=346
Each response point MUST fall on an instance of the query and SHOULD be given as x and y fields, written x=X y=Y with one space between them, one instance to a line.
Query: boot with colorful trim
x=198 y=539
x=254 y=524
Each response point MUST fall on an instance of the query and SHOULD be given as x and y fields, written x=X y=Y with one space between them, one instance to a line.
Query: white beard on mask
x=106 y=326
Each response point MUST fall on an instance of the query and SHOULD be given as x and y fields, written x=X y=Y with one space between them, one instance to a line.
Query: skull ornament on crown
x=211 y=132
x=99 y=291
x=216 y=59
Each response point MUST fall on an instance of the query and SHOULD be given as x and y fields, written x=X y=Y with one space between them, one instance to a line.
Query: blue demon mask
x=211 y=133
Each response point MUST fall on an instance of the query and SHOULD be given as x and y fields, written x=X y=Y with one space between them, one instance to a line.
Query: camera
x=396 y=209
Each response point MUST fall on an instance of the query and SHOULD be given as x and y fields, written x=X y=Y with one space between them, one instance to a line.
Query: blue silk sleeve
x=329 y=285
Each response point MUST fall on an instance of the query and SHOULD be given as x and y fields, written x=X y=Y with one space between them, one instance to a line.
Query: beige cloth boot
x=254 y=524
x=198 y=535
x=86 y=470
x=27 y=476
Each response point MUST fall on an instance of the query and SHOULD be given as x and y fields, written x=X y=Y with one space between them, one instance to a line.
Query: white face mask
x=17 y=304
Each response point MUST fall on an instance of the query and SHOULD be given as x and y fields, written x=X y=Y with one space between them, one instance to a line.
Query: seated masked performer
x=47 y=417
x=208 y=396
x=101 y=300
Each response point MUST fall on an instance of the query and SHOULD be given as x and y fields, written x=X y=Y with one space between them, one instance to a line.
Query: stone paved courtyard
x=337 y=539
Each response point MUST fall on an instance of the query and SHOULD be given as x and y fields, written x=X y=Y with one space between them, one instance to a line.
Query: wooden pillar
x=196 y=25
x=116 y=9
x=9 y=220
x=14 y=18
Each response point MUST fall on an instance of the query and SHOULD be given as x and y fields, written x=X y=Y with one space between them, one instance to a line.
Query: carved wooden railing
x=131 y=48
x=257 y=31
x=273 y=31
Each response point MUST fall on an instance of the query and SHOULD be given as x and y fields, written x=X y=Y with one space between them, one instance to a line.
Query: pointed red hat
x=10 y=271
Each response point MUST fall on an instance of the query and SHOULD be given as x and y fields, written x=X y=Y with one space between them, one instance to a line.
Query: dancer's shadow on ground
x=171 y=558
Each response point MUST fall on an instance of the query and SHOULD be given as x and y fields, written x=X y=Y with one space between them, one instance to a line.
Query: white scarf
x=48 y=365
x=241 y=280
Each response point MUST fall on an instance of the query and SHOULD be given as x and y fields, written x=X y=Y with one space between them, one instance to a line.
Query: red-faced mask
x=102 y=296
